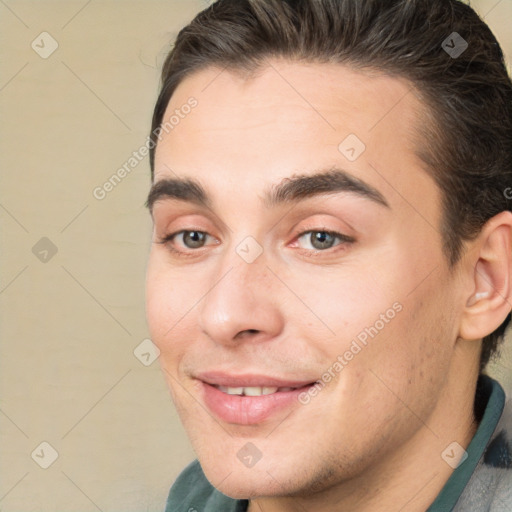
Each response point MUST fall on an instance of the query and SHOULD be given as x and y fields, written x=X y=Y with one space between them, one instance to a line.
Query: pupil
x=321 y=240
x=194 y=239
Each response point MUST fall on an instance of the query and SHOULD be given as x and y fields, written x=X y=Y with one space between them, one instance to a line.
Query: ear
x=490 y=298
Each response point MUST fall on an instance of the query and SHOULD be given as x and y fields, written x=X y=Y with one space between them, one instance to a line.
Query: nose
x=243 y=303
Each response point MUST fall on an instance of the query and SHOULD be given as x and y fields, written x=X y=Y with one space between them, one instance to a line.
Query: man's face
x=266 y=290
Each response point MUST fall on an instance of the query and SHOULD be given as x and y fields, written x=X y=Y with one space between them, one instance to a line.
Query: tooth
x=235 y=391
x=252 y=391
x=231 y=391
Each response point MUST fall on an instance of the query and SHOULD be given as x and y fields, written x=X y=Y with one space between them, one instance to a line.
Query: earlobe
x=490 y=300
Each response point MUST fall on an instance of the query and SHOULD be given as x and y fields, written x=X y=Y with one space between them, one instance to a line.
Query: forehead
x=288 y=117
x=316 y=104
x=280 y=83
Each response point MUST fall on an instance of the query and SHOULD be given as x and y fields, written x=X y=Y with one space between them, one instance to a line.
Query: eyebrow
x=289 y=190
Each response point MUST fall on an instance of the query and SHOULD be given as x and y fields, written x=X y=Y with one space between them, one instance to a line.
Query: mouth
x=250 y=399
x=253 y=390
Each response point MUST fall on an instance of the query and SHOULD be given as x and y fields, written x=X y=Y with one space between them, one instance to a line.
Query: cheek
x=394 y=333
x=158 y=304
x=164 y=302
x=347 y=305
x=166 y=299
x=409 y=360
x=393 y=383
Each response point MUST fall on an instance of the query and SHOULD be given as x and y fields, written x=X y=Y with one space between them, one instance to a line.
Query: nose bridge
x=240 y=297
x=243 y=270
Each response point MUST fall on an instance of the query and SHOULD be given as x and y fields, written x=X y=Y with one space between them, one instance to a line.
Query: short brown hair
x=468 y=133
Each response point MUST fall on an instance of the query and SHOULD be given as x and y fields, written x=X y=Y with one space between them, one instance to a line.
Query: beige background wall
x=70 y=321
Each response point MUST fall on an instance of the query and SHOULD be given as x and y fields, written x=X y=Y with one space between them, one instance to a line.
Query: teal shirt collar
x=455 y=485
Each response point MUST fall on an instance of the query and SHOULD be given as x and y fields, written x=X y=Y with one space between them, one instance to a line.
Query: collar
x=489 y=405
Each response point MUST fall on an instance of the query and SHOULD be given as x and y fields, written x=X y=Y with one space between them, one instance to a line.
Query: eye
x=192 y=239
x=312 y=241
x=323 y=240
x=187 y=239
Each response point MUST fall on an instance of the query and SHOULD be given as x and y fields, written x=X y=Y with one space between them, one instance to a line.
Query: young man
x=331 y=267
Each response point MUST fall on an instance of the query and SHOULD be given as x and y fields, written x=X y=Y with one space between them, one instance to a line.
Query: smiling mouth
x=245 y=401
x=253 y=390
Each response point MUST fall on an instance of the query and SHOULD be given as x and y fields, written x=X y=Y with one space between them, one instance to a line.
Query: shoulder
x=497 y=461
x=490 y=487
x=192 y=492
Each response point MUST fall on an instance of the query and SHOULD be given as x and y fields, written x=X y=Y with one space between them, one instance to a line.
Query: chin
x=249 y=487
x=266 y=479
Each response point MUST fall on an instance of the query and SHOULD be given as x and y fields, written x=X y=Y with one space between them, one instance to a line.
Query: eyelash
x=344 y=239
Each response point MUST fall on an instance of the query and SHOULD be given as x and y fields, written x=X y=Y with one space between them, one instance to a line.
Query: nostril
x=247 y=332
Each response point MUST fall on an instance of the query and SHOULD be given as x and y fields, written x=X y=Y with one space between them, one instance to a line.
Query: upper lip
x=216 y=378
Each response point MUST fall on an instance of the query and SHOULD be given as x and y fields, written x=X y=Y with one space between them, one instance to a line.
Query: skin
x=372 y=439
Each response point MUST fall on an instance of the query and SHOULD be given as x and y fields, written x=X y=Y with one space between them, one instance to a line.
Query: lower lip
x=248 y=410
